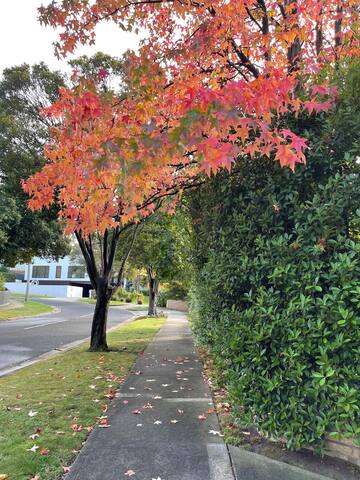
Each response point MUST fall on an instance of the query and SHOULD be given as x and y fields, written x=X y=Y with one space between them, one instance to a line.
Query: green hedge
x=276 y=298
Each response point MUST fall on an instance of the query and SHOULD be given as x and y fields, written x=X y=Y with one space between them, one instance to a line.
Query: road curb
x=62 y=349
x=254 y=466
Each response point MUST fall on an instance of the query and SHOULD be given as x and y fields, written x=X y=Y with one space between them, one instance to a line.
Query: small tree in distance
x=162 y=248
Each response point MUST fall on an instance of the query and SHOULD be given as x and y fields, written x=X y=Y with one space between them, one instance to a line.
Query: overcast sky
x=24 y=40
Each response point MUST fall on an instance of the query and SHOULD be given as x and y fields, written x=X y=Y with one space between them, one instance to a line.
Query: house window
x=76 y=271
x=58 y=271
x=40 y=271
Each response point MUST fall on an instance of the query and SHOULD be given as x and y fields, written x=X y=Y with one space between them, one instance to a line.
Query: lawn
x=113 y=303
x=58 y=401
x=28 y=309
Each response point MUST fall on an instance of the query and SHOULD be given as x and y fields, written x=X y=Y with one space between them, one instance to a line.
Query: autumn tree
x=213 y=80
x=102 y=193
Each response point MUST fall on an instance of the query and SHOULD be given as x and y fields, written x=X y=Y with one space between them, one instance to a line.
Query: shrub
x=276 y=298
x=120 y=295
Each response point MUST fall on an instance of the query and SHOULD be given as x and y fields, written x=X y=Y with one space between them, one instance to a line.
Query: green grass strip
x=28 y=309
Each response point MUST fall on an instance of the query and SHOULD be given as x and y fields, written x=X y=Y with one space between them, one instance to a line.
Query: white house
x=64 y=278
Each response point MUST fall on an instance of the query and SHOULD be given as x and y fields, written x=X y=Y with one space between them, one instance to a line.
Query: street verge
x=48 y=409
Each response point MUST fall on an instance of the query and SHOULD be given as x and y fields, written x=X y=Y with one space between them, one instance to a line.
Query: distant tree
x=162 y=248
x=24 y=92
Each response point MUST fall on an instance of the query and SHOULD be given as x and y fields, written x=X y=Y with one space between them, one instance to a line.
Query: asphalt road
x=25 y=339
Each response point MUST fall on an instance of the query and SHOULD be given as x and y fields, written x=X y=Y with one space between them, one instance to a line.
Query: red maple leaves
x=212 y=81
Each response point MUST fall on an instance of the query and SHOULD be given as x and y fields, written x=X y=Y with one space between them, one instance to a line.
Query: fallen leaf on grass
x=3 y=476
x=36 y=477
x=32 y=449
x=33 y=437
x=66 y=469
x=44 y=451
x=76 y=427
x=32 y=414
x=129 y=473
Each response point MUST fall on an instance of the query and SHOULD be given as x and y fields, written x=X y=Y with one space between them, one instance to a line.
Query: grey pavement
x=161 y=421
x=23 y=340
x=252 y=466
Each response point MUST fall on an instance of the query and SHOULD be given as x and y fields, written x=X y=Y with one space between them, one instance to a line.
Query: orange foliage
x=212 y=81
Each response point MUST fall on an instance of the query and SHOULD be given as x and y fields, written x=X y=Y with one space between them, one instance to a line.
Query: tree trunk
x=98 y=329
x=153 y=293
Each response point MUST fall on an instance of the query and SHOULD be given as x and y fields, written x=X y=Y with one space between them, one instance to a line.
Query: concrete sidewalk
x=162 y=424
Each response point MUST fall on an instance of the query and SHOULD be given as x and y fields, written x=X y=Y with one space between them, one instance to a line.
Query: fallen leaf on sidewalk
x=104 y=423
x=148 y=406
x=202 y=417
x=215 y=432
x=157 y=397
x=136 y=412
x=174 y=421
x=129 y=473
x=125 y=402
x=66 y=469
